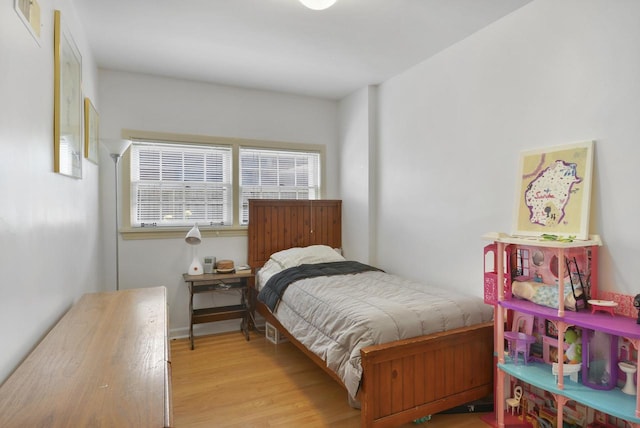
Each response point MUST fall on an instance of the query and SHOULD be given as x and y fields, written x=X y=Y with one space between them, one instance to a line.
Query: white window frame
x=235 y=229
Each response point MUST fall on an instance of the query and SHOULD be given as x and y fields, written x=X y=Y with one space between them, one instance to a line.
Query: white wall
x=142 y=102
x=357 y=174
x=452 y=128
x=49 y=236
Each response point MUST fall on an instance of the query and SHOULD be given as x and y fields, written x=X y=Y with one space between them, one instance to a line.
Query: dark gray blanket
x=273 y=290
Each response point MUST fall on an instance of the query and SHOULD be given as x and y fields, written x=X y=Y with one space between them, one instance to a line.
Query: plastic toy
x=603 y=305
x=513 y=403
x=574 y=352
x=422 y=420
x=600 y=351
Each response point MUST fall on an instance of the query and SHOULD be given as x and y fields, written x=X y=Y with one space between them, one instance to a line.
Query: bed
x=400 y=380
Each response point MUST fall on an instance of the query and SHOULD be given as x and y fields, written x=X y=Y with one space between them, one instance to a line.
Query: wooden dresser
x=106 y=363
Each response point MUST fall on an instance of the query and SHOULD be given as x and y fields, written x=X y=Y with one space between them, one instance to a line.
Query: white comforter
x=336 y=316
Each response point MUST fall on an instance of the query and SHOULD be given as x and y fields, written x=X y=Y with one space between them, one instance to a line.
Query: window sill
x=130 y=233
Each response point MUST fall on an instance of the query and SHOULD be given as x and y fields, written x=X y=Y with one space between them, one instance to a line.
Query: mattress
x=335 y=317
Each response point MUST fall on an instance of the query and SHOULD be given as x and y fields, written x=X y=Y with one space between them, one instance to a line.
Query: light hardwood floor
x=229 y=382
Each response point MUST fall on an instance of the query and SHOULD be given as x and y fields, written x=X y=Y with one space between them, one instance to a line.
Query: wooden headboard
x=278 y=224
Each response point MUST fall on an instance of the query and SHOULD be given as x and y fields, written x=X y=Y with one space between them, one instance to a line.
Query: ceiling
x=280 y=45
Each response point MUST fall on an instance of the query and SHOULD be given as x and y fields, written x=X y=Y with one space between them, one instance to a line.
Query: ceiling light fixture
x=318 y=4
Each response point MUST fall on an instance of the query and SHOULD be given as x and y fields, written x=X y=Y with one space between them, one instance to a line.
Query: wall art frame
x=67 y=111
x=29 y=13
x=554 y=191
x=91 y=131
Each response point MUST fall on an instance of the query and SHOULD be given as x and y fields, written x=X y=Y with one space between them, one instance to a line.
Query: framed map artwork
x=554 y=191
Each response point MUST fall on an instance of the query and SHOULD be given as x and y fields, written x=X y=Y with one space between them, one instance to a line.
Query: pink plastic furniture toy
x=519 y=342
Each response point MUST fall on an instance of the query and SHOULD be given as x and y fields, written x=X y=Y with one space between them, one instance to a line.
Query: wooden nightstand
x=213 y=282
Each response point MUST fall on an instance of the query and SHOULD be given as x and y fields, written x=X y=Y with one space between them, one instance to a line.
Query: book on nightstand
x=243 y=269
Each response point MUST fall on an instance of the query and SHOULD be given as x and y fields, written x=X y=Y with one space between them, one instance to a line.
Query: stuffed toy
x=574 y=352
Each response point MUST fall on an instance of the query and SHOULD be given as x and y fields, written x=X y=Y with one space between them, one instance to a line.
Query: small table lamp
x=194 y=238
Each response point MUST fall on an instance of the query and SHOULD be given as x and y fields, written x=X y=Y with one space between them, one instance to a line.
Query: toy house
x=592 y=382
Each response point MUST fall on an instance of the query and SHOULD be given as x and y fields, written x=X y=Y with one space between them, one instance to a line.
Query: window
x=522 y=262
x=179 y=185
x=171 y=181
x=277 y=174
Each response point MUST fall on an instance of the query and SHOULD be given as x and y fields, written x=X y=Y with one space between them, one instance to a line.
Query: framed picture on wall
x=554 y=191
x=550 y=329
x=67 y=94
x=91 y=122
x=29 y=13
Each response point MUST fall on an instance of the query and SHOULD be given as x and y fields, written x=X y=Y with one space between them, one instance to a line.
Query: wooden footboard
x=408 y=379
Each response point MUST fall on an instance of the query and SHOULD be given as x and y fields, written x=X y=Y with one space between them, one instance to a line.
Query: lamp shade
x=193 y=237
x=318 y=4
x=116 y=146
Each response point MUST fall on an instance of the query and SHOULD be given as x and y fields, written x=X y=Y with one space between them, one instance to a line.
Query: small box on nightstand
x=273 y=335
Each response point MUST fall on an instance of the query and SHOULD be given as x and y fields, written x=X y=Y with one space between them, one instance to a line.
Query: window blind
x=277 y=174
x=180 y=185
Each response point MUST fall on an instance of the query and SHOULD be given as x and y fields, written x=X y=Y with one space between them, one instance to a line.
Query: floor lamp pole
x=116 y=159
x=116 y=148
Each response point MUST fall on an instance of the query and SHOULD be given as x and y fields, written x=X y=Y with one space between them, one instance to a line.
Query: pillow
x=269 y=269
x=305 y=255
x=543 y=294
